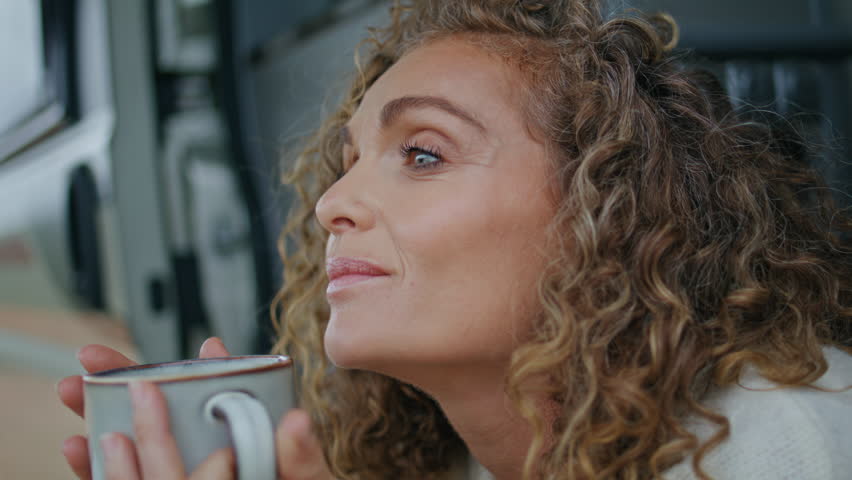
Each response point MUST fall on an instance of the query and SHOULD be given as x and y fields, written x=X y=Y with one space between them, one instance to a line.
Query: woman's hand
x=299 y=453
x=155 y=455
x=95 y=358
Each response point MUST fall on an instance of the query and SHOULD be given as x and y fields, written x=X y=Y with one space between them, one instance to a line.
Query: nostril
x=343 y=222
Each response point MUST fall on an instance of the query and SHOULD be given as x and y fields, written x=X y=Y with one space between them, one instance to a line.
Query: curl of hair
x=688 y=243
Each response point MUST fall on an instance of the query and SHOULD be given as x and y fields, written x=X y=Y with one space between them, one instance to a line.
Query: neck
x=481 y=413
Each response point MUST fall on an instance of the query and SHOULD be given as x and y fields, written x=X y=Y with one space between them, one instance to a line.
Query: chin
x=345 y=349
x=361 y=349
x=341 y=355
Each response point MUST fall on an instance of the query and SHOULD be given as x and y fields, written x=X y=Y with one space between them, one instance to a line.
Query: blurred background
x=141 y=144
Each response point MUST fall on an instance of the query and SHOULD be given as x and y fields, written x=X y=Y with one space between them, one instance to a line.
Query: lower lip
x=346 y=281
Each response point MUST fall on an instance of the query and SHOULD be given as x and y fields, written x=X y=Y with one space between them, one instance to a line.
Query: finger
x=299 y=454
x=70 y=391
x=76 y=451
x=213 y=347
x=95 y=358
x=120 y=462
x=220 y=465
x=158 y=453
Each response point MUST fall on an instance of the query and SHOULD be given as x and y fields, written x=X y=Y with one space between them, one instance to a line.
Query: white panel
x=21 y=61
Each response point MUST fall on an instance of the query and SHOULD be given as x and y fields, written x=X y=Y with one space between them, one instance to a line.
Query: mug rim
x=106 y=377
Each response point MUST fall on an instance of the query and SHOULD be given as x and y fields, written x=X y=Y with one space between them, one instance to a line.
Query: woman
x=549 y=245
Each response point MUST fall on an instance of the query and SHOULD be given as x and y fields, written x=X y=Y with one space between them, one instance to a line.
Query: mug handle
x=251 y=433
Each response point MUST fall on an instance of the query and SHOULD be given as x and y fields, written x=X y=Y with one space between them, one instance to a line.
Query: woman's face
x=447 y=196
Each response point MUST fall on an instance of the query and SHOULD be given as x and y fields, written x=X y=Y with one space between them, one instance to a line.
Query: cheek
x=453 y=233
x=474 y=250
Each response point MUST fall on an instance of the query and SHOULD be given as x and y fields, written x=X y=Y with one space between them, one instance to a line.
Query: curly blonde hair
x=689 y=242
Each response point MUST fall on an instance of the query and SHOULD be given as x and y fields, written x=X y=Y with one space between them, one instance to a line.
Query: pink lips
x=344 y=272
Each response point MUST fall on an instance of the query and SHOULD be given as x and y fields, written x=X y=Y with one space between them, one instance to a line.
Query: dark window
x=36 y=57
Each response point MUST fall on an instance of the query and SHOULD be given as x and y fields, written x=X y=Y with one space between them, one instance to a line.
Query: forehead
x=450 y=68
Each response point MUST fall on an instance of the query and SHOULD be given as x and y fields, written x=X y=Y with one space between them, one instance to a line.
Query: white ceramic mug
x=213 y=403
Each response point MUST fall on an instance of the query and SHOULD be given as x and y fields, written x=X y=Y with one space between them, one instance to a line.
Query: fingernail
x=210 y=340
x=66 y=445
x=139 y=395
x=109 y=442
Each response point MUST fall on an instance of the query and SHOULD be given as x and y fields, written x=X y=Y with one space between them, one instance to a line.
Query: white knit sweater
x=782 y=434
x=787 y=433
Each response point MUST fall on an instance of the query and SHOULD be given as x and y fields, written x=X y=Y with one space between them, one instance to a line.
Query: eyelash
x=409 y=147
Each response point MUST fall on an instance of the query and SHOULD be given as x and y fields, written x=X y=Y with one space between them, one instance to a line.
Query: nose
x=343 y=208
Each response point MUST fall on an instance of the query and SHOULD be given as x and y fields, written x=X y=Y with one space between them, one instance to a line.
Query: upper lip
x=337 y=267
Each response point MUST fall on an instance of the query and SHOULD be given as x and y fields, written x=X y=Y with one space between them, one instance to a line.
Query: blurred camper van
x=139 y=161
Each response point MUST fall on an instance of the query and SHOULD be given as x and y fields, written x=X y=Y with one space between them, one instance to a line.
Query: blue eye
x=420 y=157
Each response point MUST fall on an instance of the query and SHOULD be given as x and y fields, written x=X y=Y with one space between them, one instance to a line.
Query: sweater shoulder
x=801 y=433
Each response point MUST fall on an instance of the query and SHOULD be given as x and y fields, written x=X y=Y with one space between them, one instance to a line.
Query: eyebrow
x=395 y=108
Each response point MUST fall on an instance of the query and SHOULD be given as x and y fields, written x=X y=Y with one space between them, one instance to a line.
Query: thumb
x=300 y=456
x=213 y=347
